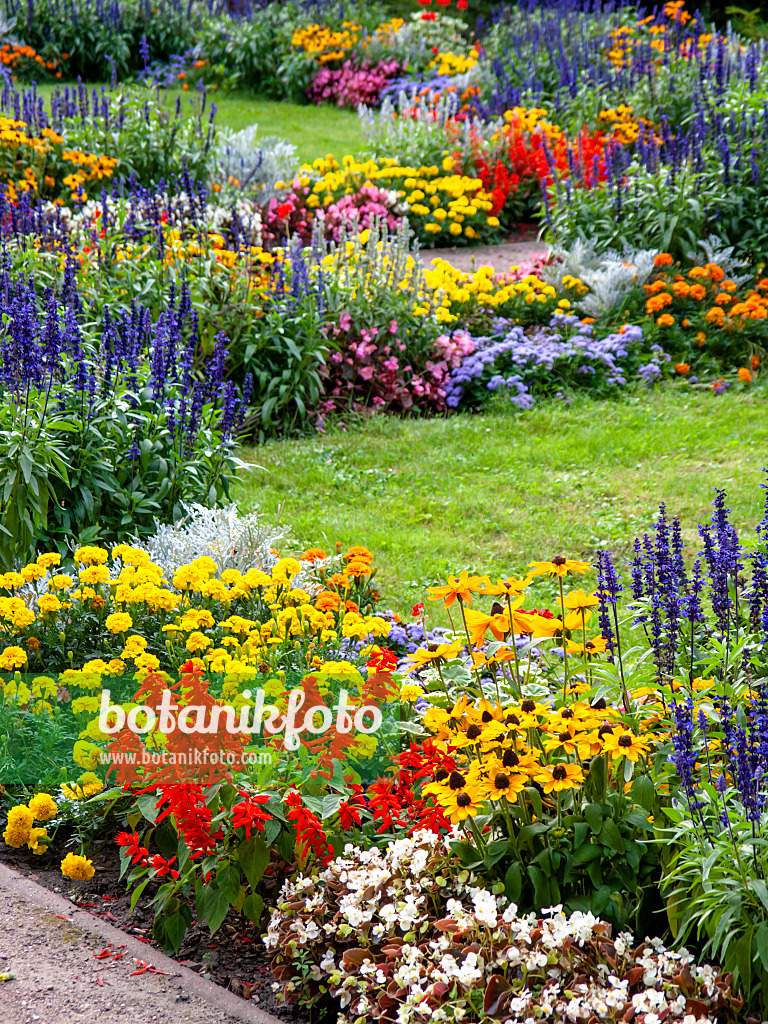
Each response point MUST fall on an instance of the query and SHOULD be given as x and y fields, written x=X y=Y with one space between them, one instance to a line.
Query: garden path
x=50 y=947
x=500 y=257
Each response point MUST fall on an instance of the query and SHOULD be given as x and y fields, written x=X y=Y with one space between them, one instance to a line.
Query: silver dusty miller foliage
x=255 y=163
x=610 y=276
x=231 y=540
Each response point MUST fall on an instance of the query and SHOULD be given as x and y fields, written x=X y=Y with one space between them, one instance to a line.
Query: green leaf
x=611 y=837
x=175 y=930
x=216 y=907
x=228 y=880
x=136 y=894
x=513 y=882
x=643 y=792
x=593 y=814
x=494 y=852
x=253 y=907
x=146 y=804
x=253 y=856
x=761 y=944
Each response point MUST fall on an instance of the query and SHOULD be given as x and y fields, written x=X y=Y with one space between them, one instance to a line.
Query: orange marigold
x=698 y=292
x=658 y=302
x=313 y=555
x=701 y=339
x=754 y=362
x=682 y=368
x=744 y=375
x=663 y=259
x=665 y=320
x=715 y=272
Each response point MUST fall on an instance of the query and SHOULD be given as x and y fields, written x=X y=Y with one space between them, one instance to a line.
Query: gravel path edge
x=217 y=997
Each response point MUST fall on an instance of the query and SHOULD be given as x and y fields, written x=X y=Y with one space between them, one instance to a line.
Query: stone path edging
x=218 y=998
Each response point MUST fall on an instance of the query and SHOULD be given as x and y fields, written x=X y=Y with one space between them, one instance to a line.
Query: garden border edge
x=207 y=991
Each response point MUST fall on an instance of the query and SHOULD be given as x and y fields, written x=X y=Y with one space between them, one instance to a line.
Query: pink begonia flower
x=391 y=364
x=366 y=372
x=393 y=326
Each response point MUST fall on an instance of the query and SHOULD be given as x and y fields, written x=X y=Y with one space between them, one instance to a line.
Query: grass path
x=315 y=131
x=495 y=491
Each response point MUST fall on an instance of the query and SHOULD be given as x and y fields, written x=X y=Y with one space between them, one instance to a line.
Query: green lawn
x=495 y=491
x=316 y=131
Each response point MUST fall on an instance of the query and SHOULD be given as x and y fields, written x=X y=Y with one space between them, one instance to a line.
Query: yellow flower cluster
x=449 y=203
x=197 y=614
x=621 y=120
x=325 y=45
x=528 y=121
x=34 y=155
x=20 y=827
x=499 y=750
x=460 y=292
x=449 y=64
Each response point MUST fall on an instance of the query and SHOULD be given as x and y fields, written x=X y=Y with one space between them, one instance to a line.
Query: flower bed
x=578 y=746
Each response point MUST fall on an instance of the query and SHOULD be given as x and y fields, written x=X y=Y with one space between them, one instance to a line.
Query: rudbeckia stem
x=565 y=652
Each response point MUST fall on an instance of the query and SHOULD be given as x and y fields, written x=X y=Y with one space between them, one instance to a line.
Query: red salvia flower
x=248 y=814
x=131 y=843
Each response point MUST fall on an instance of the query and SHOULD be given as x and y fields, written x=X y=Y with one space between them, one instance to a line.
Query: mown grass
x=494 y=491
x=315 y=131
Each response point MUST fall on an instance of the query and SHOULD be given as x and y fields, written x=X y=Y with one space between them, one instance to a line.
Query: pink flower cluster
x=359 y=208
x=369 y=373
x=349 y=86
x=454 y=347
x=287 y=217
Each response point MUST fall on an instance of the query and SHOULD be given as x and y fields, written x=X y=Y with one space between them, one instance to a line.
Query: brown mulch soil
x=234 y=957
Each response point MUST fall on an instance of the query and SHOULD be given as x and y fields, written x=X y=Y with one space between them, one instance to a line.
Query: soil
x=234 y=957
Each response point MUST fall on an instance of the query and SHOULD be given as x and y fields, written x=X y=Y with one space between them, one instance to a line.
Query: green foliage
x=34 y=456
x=148 y=140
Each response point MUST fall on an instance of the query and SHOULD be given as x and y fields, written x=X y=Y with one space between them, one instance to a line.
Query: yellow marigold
x=49 y=559
x=43 y=807
x=48 y=603
x=86 y=754
x=198 y=642
x=147 y=663
x=32 y=573
x=18 y=826
x=285 y=569
x=94 y=575
x=91 y=556
x=120 y=622
x=60 y=582
x=78 y=868
x=35 y=835
x=12 y=581
x=13 y=658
